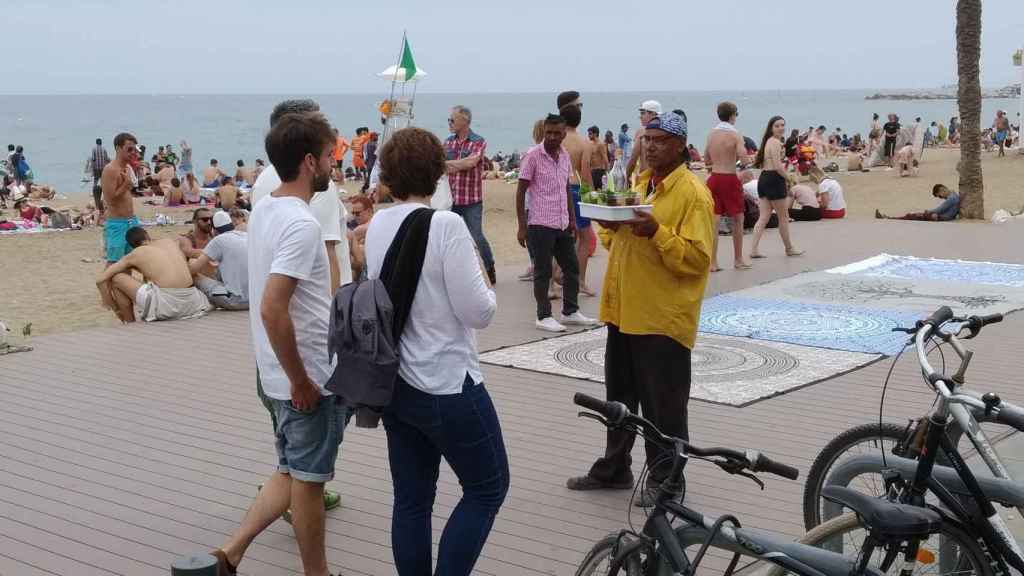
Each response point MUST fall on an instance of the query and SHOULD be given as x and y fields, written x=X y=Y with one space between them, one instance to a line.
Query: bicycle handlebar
x=616 y=415
x=923 y=332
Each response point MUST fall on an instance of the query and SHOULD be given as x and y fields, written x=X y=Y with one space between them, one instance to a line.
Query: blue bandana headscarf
x=669 y=122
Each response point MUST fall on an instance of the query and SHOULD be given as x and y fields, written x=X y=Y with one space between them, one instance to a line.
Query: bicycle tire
x=865 y=434
x=966 y=548
x=601 y=553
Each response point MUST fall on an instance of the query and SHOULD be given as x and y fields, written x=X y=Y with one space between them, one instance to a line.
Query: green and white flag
x=407 y=62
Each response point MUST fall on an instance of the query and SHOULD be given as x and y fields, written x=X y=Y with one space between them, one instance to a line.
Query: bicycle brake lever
x=593 y=416
x=756 y=480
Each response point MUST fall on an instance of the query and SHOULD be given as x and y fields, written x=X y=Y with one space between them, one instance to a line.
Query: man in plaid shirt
x=465 y=150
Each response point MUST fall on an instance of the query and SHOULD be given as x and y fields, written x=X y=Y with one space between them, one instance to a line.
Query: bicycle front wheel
x=598 y=561
x=950 y=552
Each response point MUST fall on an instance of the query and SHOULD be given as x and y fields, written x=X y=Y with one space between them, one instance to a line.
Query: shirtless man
x=193 y=242
x=212 y=175
x=724 y=147
x=166 y=292
x=243 y=174
x=598 y=157
x=227 y=195
x=116 y=182
x=570 y=108
x=649 y=110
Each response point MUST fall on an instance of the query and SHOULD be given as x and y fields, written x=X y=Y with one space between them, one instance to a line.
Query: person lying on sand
x=166 y=292
x=944 y=212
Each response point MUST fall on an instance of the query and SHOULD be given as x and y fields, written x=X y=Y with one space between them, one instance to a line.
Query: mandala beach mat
x=726 y=370
x=840 y=327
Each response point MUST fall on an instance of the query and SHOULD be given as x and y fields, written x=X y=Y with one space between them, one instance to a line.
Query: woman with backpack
x=439 y=407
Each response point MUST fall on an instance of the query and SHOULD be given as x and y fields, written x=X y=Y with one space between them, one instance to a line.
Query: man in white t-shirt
x=229 y=249
x=328 y=211
x=289 y=284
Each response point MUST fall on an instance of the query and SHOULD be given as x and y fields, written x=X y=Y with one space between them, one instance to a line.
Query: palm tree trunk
x=968 y=59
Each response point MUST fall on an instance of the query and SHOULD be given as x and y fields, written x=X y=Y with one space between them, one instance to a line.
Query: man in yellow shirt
x=658 y=267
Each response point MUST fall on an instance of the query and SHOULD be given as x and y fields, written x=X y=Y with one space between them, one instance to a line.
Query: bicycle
x=896 y=446
x=908 y=481
x=659 y=549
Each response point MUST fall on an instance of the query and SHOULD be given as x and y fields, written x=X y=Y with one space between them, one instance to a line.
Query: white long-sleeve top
x=452 y=301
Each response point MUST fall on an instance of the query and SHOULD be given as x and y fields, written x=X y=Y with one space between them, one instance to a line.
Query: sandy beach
x=48 y=278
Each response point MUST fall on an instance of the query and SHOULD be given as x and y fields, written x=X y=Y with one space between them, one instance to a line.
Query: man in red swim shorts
x=724 y=148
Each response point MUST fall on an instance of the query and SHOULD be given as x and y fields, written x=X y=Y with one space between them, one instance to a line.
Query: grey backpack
x=367 y=320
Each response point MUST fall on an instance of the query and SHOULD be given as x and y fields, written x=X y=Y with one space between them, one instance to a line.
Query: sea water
x=58 y=131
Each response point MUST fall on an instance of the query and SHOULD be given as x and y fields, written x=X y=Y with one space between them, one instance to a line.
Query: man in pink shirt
x=551 y=231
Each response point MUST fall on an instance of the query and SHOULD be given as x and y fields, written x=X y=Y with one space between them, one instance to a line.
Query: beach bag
x=442 y=198
x=367 y=319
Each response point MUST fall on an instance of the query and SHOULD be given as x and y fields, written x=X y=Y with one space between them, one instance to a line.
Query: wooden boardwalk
x=126 y=447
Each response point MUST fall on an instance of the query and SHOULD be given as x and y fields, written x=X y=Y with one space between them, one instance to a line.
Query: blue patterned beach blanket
x=963 y=271
x=851 y=328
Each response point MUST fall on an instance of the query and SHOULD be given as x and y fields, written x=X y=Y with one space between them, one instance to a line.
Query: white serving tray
x=611 y=213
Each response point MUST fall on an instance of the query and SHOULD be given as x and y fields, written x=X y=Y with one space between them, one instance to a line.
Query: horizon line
x=509 y=92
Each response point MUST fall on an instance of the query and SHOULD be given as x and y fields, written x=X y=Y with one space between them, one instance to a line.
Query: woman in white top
x=440 y=407
x=833 y=204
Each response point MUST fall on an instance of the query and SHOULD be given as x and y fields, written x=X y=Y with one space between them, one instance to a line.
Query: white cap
x=651 y=106
x=220 y=219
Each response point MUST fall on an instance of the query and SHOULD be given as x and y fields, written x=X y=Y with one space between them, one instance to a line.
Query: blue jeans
x=463 y=428
x=473 y=215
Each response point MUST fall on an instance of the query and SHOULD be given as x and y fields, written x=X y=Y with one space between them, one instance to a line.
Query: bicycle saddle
x=884 y=518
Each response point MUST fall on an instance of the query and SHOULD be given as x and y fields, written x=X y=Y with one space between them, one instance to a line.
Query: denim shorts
x=307 y=442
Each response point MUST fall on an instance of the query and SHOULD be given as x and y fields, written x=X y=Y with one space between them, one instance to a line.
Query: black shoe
x=588 y=482
x=492 y=276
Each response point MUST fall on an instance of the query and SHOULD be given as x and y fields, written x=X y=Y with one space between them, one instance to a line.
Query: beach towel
x=154 y=303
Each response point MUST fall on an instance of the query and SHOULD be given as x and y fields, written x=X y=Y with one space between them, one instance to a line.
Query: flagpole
x=391 y=97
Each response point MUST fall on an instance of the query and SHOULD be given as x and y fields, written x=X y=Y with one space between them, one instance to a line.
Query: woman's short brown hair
x=411 y=163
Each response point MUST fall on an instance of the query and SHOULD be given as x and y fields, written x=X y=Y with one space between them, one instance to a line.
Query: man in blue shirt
x=625 y=142
x=944 y=212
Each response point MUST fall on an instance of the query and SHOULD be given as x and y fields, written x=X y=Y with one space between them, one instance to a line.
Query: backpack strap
x=403 y=265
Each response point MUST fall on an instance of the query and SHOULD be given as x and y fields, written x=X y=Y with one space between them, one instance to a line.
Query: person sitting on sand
x=905 y=160
x=809 y=202
x=89 y=216
x=229 y=250
x=190 y=188
x=830 y=195
x=243 y=175
x=28 y=211
x=944 y=212
x=165 y=173
x=175 y=196
x=212 y=175
x=152 y=187
x=166 y=292
x=193 y=242
x=227 y=195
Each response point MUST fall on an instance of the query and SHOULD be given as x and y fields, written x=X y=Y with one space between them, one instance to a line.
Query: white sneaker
x=578 y=319
x=549 y=324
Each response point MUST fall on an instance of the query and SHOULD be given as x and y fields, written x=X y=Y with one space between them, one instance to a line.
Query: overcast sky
x=336 y=46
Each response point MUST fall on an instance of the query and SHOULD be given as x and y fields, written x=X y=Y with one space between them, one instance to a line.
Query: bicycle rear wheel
x=863 y=439
x=598 y=561
x=950 y=552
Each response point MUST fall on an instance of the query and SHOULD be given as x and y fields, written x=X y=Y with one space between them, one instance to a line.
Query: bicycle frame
x=666 y=544
x=991 y=528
